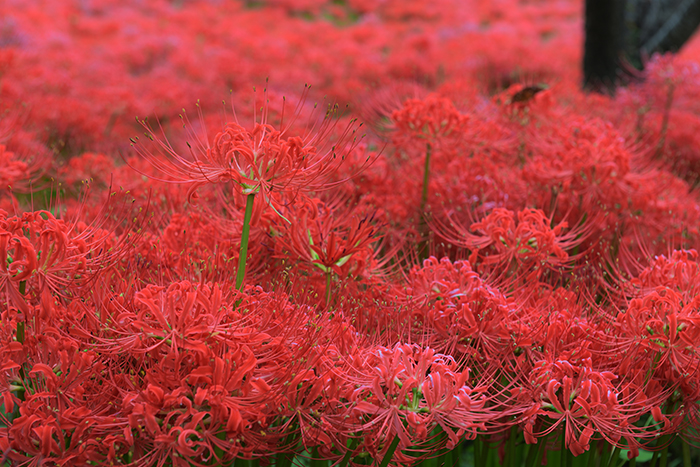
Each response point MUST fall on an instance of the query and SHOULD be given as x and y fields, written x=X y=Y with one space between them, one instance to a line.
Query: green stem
x=426 y=176
x=20 y=324
x=315 y=461
x=477 y=451
x=533 y=454
x=351 y=447
x=328 y=288
x=247 y=462
x=613 y=457
x=593 y=451
x=562 y=458
x=686 y=454
x=218 y=452
x=666 y=439
x=664 y=456
x=390 y=452
x=20 y=332
x=654 y=458
x=244 y=241
x=285 y=459
x=449 y=457
x=510 y=453
x=423 y=228
x=664 y=121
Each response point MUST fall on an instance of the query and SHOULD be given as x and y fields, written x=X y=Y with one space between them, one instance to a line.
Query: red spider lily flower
x=13 y=169
x=661 y=321
x=503 y=247
x=377 y=107
x=406 y=391
x=467 y=314
x=328 y=237
x=53 y=257
x=19 y=266
x=260 y=159
x=660 y=326
x=428 y=119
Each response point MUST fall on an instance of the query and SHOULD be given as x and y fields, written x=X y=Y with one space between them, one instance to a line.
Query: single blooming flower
x=257 y=159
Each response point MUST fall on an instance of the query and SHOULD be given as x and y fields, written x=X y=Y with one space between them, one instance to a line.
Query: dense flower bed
x=472 y=262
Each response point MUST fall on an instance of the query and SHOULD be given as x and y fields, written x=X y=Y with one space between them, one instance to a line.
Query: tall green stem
x=219 y=453
x=390 y=452
x=534 y=454
x=240 y=275
x=664 y=456
x=423 y=228
x=351 y=447
x=247 y=462
x=686 y=454
x=510 y=459
x=328 y=288
x=594 y=453
x=426 y=176
x=315 y=461
x=20 y=324
x=477 y=451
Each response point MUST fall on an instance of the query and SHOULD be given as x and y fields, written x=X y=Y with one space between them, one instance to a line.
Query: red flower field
x=342 y=232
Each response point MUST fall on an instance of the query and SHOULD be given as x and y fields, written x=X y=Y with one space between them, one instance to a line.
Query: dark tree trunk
x=671 y=26
x=622 y=34
x=604 y=46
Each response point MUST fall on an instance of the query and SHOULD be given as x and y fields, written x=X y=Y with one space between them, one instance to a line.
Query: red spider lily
x=504 y=247
x=54 y=420
x=140 y=350
x=663 y=324
x=659 y=326
x=22 y=265
x=261 y=159
x=376 y=108
x=13 y=169
x=328 y=237
x=429 y=119
x=590 y=168
x=582 y=402
x=54 y=258
x=468 y=316
x=406 y=392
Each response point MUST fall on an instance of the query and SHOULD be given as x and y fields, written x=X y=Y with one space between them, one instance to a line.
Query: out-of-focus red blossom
x=13 y=169
x=88 y=167
x=429 y=119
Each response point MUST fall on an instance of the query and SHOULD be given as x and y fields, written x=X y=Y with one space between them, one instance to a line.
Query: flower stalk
x=240 y=274
x=20 y=324
x=423 y=248
x=390 y=452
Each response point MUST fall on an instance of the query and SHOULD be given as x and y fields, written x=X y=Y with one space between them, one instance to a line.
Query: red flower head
x=431 y=118
x=260 y=159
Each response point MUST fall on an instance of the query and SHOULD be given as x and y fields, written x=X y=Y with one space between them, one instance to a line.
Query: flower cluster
x=502 y=264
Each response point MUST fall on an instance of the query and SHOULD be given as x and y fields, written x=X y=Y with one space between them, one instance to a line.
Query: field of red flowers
x=342 y=232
